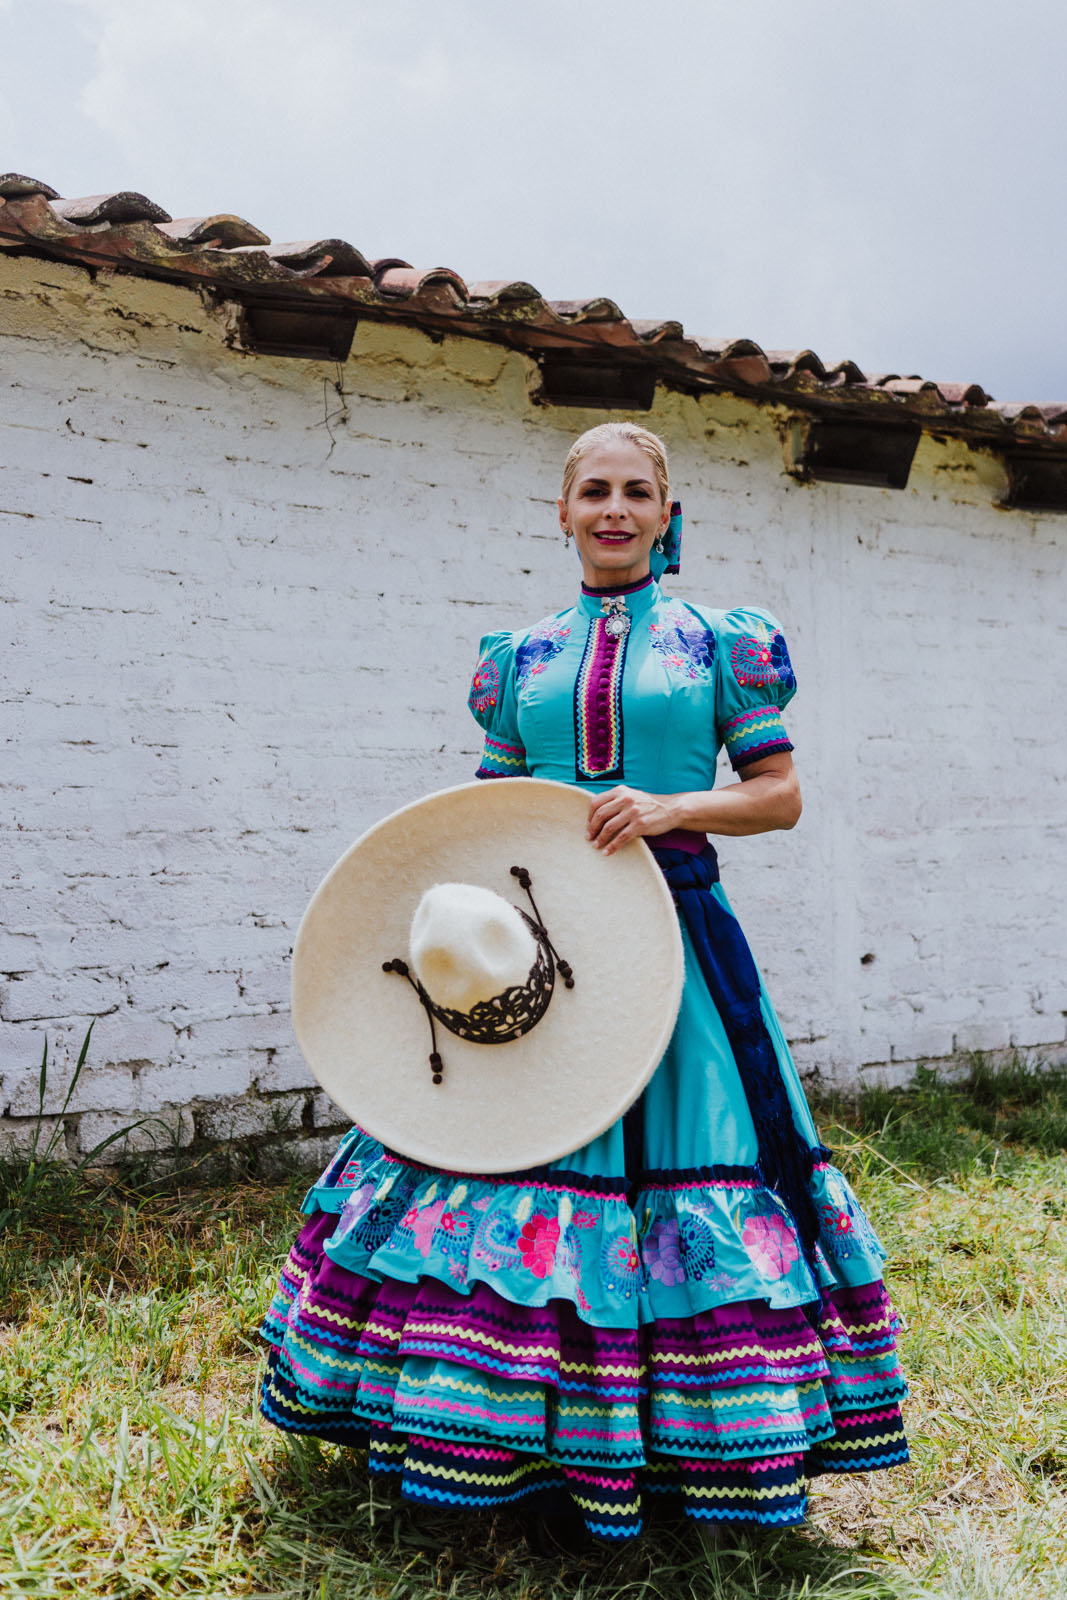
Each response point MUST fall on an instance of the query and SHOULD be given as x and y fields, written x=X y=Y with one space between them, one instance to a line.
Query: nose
x=616 y=506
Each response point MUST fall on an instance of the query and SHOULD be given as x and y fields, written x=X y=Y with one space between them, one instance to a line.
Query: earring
x=659 y=544
x=567 y=536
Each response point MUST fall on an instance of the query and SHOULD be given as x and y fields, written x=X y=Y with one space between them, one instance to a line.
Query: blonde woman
x=687 y=1313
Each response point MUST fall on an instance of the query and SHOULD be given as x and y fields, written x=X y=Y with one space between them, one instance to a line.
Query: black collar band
x=620 y=588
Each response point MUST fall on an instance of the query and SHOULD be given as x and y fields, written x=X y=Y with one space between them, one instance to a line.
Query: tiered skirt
x=549 y=1336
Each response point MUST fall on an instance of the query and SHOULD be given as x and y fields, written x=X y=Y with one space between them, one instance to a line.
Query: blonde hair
x=612 y=433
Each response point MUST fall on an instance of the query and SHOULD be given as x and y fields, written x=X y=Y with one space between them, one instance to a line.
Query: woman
x=741 y=1341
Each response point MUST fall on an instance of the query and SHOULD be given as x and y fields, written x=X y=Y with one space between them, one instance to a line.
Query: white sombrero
x=514 y=1021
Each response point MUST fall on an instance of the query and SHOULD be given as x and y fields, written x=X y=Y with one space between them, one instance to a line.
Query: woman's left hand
x=622 y=814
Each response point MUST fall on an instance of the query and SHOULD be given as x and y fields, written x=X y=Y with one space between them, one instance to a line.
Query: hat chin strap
x=504 y=1016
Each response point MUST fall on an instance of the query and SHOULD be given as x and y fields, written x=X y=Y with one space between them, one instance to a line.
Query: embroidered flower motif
x=543 y=641
x=620 y=1265
x=845 y=1230
x=663 y=1253
x=456 y=1222
x=351 y=1173
x=697 y=1247
x=423 y=1224
x=770 y=1244
x=839 y=1222
x=721 y=1280
x=537 y=1244
x=485 y=686
x=496 y=1242
x=686 y=647
x=761 y=658
x=369 y=1223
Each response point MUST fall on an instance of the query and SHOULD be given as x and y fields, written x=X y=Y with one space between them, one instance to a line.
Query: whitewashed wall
x=242 y=610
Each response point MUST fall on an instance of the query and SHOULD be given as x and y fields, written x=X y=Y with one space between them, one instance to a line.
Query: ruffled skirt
x=492 y=1340
x=592 y=1334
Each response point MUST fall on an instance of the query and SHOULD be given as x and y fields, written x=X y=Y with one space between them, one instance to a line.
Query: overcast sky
x=878 y=179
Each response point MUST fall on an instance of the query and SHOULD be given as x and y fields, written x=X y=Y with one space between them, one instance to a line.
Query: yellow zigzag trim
x=863 y=1444
x=736 y=1351
x=320 y=1356
x=509 y=1347
x=290 y=1405
x=460 y=1475
x=380 y=1331
x=448 y=1330
x=619 y=1413
x=332 y=1316
x=768 y=719
x=724 y=1402
x=774 y=1491
x=437 y=1381
x=622 y=1371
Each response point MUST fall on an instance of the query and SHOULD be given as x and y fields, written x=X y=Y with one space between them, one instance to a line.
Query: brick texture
x=243 y=598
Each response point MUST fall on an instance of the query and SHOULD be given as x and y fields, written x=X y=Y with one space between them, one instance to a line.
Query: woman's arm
x=767 y=797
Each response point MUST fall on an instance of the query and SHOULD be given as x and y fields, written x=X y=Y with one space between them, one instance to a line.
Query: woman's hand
x=622 y=814
x=767 y=797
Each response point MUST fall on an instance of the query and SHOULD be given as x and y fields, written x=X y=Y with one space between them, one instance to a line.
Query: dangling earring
x=567 y=537
x=659 y=544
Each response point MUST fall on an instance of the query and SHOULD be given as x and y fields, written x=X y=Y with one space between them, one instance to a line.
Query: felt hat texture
x=500 y=1107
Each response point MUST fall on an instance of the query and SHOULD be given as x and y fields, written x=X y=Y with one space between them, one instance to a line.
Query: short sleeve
x=494 y=707
x=755 y=681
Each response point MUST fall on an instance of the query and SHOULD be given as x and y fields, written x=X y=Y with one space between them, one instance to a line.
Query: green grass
x=134 y=1464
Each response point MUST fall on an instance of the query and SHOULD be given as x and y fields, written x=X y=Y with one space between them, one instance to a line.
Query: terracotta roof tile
x=126 y=205
x=223 y=232
x=129 y=232
x=14 y=186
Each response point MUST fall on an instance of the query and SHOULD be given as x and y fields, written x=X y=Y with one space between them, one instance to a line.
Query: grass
x=134 y=1464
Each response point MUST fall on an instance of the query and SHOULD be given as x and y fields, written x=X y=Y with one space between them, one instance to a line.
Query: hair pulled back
x=612 y=433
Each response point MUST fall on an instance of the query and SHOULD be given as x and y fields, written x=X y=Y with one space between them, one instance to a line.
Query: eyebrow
x=647 y=482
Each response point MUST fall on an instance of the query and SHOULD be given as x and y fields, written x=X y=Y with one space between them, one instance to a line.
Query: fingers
x=603 y=806
x=617 y=824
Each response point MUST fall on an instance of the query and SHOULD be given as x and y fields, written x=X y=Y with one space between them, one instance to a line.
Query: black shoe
x=558 y=1533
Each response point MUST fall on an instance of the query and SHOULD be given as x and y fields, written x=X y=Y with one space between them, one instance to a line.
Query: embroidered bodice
x=631 y=686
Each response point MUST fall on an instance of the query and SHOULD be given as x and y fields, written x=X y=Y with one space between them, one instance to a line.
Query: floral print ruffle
x=688 y=1242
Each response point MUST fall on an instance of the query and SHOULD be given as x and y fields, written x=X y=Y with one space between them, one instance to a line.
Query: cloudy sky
x=879 y=180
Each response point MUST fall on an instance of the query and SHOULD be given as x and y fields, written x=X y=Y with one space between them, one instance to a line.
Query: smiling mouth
x=610 y=536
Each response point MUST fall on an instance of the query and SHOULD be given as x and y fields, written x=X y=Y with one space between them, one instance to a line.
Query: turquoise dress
x=644 y=1320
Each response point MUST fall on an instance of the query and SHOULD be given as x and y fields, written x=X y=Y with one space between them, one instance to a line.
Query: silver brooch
x=618 y=624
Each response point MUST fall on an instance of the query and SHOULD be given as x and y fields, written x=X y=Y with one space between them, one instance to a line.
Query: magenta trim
x=681 y=839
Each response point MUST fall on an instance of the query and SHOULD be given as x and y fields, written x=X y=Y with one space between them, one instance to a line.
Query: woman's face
x=615 y=513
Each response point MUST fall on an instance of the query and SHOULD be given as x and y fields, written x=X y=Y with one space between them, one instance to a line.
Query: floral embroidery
x=721 y=1281
x=369 y=1223
x=496 y=1242
x=845 y=1230
x=697 y=1246
x=662 y=1252
x=761 y=658
x=423 y=1224
x=770 y=1244
x=621 y=1265
x=685 y=644
x=543 y=641
x=537 y=1244
x=485 y=686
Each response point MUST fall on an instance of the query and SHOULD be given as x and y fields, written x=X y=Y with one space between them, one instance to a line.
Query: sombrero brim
x=501 y=1107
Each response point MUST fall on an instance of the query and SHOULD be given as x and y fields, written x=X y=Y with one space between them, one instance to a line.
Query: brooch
x=617 y=625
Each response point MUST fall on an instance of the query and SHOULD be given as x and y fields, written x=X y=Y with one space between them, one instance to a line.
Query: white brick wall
x=237 y=636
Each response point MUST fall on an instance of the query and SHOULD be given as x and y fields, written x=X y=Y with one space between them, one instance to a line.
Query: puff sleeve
x=494 y=706
x=755 y=681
